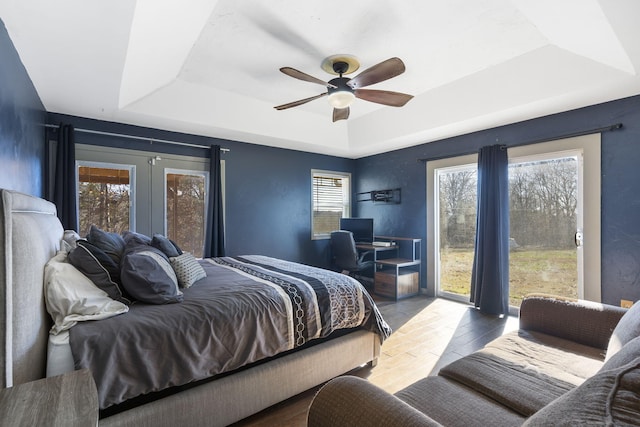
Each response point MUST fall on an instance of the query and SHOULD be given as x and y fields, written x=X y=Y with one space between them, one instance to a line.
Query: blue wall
x=620 y=184
x=268 y=190
x=21 y=124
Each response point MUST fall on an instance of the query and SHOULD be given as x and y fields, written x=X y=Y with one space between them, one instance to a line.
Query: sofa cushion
x=627 y=329
x=611 y=397
x=526 y=370
x=455 y=405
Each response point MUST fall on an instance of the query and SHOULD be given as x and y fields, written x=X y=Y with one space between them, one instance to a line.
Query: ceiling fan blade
x=340 y=114
x=299 y=102
x=292 y=72
x=393 y=99
x=378 y=73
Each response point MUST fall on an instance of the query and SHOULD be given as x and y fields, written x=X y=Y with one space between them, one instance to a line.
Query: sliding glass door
x=554 y=224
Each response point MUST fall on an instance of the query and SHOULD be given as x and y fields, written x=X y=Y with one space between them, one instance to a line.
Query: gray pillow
x=147 y=275
x=99 y=268
x=111 y=243
x=188 y=269
x=165 y=245
x=627 y=329
x=610 y=398
x=132 y=236
x=629 y=352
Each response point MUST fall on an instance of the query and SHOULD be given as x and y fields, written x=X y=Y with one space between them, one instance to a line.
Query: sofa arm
x=580 y=321
x=352 y=401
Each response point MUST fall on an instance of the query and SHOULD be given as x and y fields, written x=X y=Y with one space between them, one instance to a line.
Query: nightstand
x=67 y=400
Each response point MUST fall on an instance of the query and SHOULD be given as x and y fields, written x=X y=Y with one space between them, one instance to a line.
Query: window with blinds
x=331 y=200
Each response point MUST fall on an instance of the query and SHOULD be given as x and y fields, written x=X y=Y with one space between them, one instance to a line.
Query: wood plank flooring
x=427 y=334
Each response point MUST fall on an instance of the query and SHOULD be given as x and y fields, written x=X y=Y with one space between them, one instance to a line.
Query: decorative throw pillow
x=627 y=329
x=609 y=398
x=165 y=245
x=188 y=269
x=131 y=237
x=147 y=275
x=71 y=297
x=111 y=243
x=99 y=268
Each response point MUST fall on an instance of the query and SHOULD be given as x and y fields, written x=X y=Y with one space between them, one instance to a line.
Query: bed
x=31 y=233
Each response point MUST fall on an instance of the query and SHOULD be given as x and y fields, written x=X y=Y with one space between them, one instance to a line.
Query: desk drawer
x=389 y=285
x=408 y=284
x=385 y=284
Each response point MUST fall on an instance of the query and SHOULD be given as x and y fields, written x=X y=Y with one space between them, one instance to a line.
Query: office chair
x=345 y=256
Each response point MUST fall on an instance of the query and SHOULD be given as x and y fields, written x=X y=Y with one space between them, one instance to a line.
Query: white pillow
x=71 y=297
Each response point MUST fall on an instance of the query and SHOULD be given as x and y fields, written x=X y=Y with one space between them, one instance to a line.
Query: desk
x=361 y=247
x=397 y=275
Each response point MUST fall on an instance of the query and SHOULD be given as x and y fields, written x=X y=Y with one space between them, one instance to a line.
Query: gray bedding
x=246 y=309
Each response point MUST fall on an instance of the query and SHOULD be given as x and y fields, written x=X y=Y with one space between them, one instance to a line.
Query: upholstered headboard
x=30 y=235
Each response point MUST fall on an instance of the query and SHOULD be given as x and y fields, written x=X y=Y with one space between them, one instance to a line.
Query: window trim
x=346 y=212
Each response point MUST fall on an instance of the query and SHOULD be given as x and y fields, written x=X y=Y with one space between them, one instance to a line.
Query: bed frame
x=30 y=235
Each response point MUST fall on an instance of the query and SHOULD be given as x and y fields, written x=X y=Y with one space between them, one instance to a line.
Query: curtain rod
x=140 y=138
x=537 y=141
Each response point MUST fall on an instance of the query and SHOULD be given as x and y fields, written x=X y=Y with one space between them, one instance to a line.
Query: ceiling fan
x=342 y=91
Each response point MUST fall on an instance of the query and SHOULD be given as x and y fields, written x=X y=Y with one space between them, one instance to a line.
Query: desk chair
x=344 y=255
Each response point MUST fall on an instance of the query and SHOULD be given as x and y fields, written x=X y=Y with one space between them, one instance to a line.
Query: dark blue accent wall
x=620 y=184
x=22 y=117
x=268 y=190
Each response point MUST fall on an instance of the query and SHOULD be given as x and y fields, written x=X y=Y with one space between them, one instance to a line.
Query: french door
x=121 y=189
x=554 y=223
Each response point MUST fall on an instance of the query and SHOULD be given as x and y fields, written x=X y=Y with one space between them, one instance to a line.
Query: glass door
x=121 y=189
x=544 y=214
x=554 y=225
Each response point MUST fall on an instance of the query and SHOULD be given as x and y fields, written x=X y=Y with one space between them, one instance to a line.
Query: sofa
x=571 y=362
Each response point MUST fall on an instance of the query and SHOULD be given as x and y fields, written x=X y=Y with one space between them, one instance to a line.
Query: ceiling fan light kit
x=341 y=98
x=342 y=91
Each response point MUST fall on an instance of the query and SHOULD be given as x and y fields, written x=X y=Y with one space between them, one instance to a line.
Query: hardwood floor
x=427 y=334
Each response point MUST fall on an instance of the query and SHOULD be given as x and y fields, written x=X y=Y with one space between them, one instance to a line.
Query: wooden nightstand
x=63 y=401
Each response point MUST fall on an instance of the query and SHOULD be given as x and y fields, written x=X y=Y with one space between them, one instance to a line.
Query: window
x=105 y=194
x=330 y=201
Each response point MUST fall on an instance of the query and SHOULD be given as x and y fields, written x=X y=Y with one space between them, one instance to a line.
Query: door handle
x=578 y=238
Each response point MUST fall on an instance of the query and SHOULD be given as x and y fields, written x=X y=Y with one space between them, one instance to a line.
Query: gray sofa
x=570 y=363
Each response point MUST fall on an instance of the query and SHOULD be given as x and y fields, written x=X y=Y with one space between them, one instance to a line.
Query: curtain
x=490 y=274
x=214 y=234
x=64 y=183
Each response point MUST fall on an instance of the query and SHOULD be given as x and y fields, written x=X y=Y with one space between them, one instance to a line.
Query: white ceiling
x=212 y=67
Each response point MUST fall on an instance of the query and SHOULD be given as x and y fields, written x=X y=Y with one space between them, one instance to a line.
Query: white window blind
x=330 y=201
